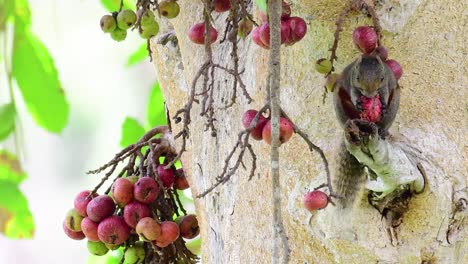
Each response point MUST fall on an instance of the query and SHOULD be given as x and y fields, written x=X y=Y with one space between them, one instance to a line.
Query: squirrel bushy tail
x=348 y=177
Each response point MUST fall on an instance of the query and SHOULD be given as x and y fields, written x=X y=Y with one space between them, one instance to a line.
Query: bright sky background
x=101 y=92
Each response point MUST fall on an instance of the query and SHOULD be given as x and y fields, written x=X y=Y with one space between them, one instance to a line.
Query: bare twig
x=316 y=148
x=207 y=75
x=242 y=144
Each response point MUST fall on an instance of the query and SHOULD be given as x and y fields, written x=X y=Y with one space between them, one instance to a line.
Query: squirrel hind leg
x=349 y=178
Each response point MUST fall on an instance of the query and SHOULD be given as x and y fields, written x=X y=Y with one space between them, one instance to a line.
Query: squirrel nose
x=373 y=87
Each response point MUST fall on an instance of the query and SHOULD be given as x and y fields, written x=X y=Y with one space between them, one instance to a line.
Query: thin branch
x=242 y=144
x=313 y=147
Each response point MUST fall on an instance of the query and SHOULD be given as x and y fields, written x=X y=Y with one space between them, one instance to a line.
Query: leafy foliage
x=113 y=5
x=37 y=79
x=16 y=220
x=155 y=112
x=7 y=125
x=22 y=12
x=132 y=131
x=139 y=55
x=34 y=71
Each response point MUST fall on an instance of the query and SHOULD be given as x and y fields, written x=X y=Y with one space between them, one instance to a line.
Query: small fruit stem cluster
x=367 y=40
x=354 y=5
x=257 y=127
x=205 y=34
x=143 y=197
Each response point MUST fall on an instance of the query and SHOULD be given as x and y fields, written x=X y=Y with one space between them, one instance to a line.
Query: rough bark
x=428 y=39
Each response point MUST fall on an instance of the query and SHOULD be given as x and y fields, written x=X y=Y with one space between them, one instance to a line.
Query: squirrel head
x=368 y=75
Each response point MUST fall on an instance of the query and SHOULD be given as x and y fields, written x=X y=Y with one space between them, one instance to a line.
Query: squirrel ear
x=381 y=63
x=357 y=63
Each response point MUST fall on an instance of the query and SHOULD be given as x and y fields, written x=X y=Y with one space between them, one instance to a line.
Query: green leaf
x=194 y=246
x=132 y=131
x=22 y=12
x=10 y=168
x=113 y=5
x=139 y=55
x=262 y=5
x=37 y=78
x=7 y=120
x=156 y=114
x=16 y=220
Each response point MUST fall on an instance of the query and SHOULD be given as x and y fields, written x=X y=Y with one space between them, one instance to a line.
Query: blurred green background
x=59 y=126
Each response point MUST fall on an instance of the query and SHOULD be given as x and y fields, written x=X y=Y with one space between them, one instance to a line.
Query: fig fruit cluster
x=262 y=129
x=127 y=216
x=118 y=23
x=365 y=38
x=148 y=25
x=293 y=29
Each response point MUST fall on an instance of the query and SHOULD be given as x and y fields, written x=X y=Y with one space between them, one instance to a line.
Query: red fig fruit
x=256 y=38
x=72 y=234
x=298 y=29
x=181 y=182
x=371 y=108
x=81 y=201
x=247 y=119
x=146 y=190
x=167 y=176
x=197 y=34
x=265 y=33
x=122 y=190
x=315 y=200
x=395 y=67
x=89 y=229
x=135 y=211
x=113 y=230
x=365 y=39
x=100 y=208
x=286 y=131
x=169 y=232
x=221 y=5
x=148 y=229
x=188 y=226
x=382 y=52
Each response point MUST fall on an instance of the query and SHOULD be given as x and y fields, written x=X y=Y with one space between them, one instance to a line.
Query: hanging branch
x=206 y=74
x=354 y=5
x=242 y=145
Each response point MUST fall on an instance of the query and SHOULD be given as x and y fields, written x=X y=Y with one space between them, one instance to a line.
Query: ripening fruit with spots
x=169 y=8
x=126 y=19
x=108 y=23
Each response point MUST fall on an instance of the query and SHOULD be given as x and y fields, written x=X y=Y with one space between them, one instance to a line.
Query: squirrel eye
x=382 y=79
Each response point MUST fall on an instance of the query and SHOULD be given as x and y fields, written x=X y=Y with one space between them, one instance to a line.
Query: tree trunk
x=428 y=38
